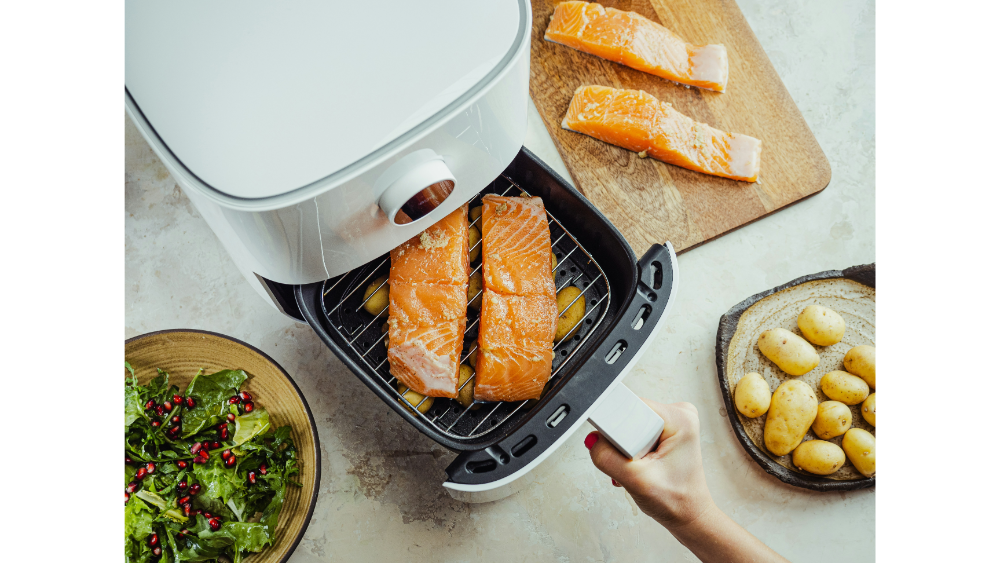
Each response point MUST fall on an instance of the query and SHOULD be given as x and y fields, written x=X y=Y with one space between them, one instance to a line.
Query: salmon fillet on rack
x=518 y=319
x=428 y=289
x=637 y=121
x=634 y=41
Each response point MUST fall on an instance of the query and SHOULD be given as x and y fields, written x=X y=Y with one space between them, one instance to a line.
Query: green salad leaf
x=211 y=394
x=217 y=480
x=250 y=425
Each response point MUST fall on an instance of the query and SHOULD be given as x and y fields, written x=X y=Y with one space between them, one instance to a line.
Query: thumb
x=608 y=459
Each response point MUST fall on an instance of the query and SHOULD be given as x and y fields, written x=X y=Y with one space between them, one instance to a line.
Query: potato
x=570 y=315
x=475 y=213
x=377 y=302
x=818 y=457
x=860 y=447
x=789 y=351
x=821 y=326
x=474 y=246
x=414 y=398
x=475 y=290
x=844 y=387
x=465 y=393
x=752 y=395
x=555 y=262
x=868 y=409
x=860 y=361
x=833 y=418
x=472 y=357
x=792 y=411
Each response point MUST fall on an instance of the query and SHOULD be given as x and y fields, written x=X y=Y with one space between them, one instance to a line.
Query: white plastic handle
x=410 y=182
x=627 y=422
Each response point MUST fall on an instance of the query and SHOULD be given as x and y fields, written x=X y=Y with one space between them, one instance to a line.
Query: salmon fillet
x=634 y=41
x=518 y=319
x=428 y=292
x=637 y=121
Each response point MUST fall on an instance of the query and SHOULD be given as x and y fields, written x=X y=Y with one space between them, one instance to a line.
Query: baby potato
x=860 y=447
x=792 y=411
x=570 y=315
x=475 y=296
x=868 y=409
x=377 y=297
x=821 y=325
x=833 y=418
x=818 y=457
x=414 y=398
x=789 y=351
x=844 y=387
x=465 y=393
x=860 y=361
x=752 y=395
x=555 y=262
x=474 y=246
x=472 y=357
x=475 y=213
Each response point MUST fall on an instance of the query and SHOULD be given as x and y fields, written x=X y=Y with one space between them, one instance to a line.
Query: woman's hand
x=668 y=484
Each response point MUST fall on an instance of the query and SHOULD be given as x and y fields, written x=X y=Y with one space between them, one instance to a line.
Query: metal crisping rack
x=362 y=330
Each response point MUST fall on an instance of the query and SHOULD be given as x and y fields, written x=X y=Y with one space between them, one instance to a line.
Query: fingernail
x=615 y=483
x=590 y=440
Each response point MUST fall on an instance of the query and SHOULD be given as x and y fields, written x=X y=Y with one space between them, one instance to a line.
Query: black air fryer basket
x=625 y=299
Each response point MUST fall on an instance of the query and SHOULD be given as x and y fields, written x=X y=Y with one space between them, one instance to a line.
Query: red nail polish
x=615 y=483
x=590 y=440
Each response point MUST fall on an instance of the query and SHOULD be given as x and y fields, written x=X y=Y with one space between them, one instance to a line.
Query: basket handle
x=627 y=422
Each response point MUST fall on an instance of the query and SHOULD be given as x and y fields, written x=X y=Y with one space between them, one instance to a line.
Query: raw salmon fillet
x=518 y=320
x=637 y=121
x=428 y=292
x=634 y=41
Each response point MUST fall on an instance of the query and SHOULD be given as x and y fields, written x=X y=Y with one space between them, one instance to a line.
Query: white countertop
x=380 y=496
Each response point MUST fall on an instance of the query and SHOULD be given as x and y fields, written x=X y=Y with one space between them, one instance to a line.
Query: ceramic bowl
x=181 y=353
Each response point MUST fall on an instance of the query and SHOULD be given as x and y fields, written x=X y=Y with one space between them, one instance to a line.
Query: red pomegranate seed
x=189 y=402
x=155 y=423
x=207 y=515
x=151 y=467
x=175 y=419
x=197 y=511
x=230 y=461
x=177 y=399
x=194 y=489
x=128 y=460
x=184 y=500
x=224 y=434
x=233 y=400
x=186 y=507
x=159 y=410
x=231 y=417
x=182 y=485
x=263 y=469
x=140 y=474
x=157 y=551
x=168 y=406
x=253 y=477
x=195 y=447
x=199 y=460
x=246 y=396
x=248 y=407
x=223 y=425
x=216 y=445
x=214 y=523
x=131 y=487
x=126 y=498
x=182 y=464
x=226 y=454
x=203 y=454
x=153 y=539
x=150 y=404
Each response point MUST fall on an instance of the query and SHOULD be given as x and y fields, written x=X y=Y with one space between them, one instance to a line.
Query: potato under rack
x=343 y=305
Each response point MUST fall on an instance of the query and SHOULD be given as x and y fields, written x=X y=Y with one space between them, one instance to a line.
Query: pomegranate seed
x=216 y=445
x=151 y=467
x=184 y=500
x=226 y=454
x=214 y=524
x=221 y=426
x=194 y=489
x=157 y=551
x=150 y=404
x=159 y=410
x=154 y=539
x=197 y=511
x=175 y=419
x=248 y=407
x=177 y=399
x=246 y=396
x=155 y=423
x=195 y=447
x=168 y=406
x=182 y=485
x=224 y=434
x=263 y=469
x=207 y=515
x=126 y=498
x=233 y=400
x=203 y=454
x=231 y=417
x=230 y=461
x=189 y=402
x=199 y=460
x=128 y=460
x=131 y=487
x=141 y=474
x=253 y=477
x=186 y=507
x=182 y=464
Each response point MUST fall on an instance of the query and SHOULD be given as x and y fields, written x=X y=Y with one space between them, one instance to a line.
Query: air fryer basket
x=502 y=437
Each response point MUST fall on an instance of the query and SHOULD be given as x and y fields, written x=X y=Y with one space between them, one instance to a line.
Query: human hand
x=668 y=484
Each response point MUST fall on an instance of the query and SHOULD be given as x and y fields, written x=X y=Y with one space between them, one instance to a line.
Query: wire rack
x=344 y=300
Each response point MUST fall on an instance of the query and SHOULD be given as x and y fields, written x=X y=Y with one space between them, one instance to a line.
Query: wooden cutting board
x=650 y=201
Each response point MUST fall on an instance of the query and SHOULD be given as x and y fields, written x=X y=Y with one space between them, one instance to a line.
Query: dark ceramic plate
x=847 y=479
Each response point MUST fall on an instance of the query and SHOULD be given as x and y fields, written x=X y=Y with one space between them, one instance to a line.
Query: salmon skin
x=428 y=292
x=637 y=121
x=518 y=320
x=634 y=41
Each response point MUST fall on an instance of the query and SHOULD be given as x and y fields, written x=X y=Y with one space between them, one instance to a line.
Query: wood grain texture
x=650 y=201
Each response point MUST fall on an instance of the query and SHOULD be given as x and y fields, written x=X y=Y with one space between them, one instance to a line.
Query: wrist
x=702 y=523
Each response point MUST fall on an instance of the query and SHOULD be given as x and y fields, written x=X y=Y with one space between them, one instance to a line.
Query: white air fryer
x=315 y=136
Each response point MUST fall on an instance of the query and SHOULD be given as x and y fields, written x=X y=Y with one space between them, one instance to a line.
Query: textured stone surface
x=380 y=497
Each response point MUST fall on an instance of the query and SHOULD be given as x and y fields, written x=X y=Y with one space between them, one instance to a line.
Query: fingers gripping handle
x=627 y=422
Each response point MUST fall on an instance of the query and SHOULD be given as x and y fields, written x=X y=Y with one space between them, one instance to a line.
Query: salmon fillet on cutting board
x=518 y=320
x=428 y=293
x=637 y=121
x=634 y=41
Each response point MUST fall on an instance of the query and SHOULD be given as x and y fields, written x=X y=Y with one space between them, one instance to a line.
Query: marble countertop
x=381 y=496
